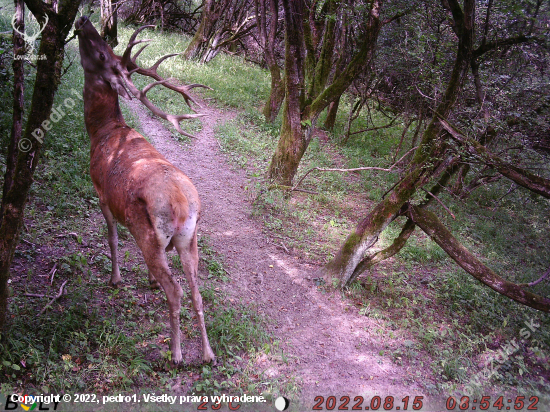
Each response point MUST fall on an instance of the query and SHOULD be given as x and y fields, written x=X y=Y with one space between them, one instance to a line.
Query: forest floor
x=332 y=350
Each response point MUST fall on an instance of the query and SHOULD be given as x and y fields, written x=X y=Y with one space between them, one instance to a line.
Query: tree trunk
x=201 y=35
x=302 y=109
x=109 y=23
x=292 y=146
x=19 y=50
x=267 y=39
x=292 y=142
x=48 y=75
x=276 y=95
x=332 y=111
x=424 y=163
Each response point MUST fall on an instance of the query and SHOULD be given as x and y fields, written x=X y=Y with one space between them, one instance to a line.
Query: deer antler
x=129 y=63
x=142 y=96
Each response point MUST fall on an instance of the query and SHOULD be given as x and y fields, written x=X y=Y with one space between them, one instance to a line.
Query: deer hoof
x=209 y=358
x=154 y=284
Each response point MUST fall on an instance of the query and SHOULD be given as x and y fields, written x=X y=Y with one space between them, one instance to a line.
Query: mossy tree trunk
x=48 y=75
x=267 y=34
x=208 y=19
x=301 y=107
x=292 y=141
x=420 y=170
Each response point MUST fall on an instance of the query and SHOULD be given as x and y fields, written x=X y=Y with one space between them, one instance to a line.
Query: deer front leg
x=113 y=243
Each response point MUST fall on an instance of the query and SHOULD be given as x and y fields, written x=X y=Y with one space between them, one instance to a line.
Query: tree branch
x=54 y=299
x=431 y=225
x=357 y=169
x=439 y=201
x=484 y=48
x=521 y=176
x=536 y=282
x=390 y=124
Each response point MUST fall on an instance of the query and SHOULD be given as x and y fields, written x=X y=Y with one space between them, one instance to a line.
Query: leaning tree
x=447 y=148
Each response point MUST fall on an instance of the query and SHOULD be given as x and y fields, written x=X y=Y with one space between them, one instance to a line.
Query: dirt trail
x=332 y=350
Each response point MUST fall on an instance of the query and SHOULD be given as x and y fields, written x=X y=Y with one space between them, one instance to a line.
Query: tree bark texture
x=48 y=74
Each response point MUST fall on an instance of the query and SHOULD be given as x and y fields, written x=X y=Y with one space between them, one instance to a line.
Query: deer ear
x=120 y=89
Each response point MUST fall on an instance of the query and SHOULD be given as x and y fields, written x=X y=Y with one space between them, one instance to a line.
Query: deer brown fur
x=136 y=185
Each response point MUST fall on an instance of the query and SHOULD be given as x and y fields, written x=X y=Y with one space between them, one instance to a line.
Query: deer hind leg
x=189 y=256
x=113 y=244
x=155 y=258
x=153 y=283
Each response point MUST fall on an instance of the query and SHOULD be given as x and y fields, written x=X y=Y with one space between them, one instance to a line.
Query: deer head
x=99 y=61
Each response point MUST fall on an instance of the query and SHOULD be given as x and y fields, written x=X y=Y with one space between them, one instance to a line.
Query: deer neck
x=101 y=110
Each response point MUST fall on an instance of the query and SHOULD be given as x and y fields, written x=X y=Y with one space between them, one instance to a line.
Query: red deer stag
x=136 y=185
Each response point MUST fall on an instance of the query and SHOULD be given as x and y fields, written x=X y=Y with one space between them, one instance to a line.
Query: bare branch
x=536 y=282
x=390 y=124
x=54 y=299
x=521 y=176
x=440 y=202
x=357 y=169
